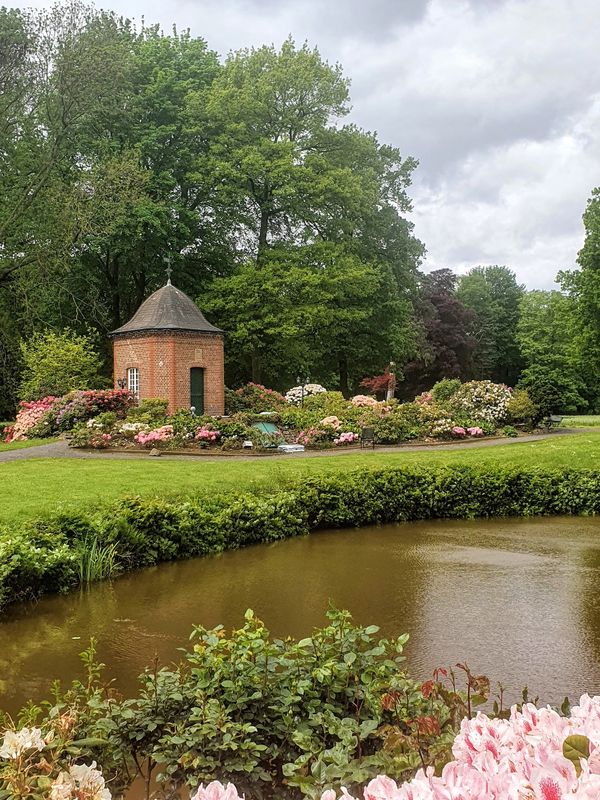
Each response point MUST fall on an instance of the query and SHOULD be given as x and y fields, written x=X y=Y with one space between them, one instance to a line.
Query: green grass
x=32 y=487
x=20 y=445
x=583 y=421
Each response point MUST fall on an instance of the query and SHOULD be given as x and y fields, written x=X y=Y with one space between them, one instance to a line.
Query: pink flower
x=216 y=791
x=475 y=431
x=457 y=430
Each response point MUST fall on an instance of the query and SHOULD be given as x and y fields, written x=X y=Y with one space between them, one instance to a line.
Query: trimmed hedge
x=44 y=554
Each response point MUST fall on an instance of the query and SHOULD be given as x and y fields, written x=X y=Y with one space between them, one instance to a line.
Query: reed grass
x=97 y=562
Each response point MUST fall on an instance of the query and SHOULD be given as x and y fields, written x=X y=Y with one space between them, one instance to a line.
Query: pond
x=518 y=600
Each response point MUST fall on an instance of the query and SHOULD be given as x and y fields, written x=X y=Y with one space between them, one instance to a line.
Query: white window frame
x=133 y=381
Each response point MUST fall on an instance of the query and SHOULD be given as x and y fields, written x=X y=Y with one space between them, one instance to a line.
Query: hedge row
x=44 y=554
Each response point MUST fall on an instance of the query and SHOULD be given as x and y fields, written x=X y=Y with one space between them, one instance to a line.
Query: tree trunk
x=262 y=236
x=343 y=373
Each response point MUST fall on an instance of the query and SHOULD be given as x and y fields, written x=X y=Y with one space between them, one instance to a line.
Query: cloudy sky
x=498 y=99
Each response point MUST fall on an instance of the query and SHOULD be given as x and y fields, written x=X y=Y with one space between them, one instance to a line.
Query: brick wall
x=164 y=361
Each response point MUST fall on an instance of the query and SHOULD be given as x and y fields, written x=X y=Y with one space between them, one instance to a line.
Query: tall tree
x=291 y=177
x=493 y=295
x=316 y=301
x=446 y=341
x=584 y=288
x=547 y=336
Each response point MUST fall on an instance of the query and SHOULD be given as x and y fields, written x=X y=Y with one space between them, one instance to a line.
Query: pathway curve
x=61 y=449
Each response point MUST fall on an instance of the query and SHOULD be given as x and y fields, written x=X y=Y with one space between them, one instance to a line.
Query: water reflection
x=517 y=599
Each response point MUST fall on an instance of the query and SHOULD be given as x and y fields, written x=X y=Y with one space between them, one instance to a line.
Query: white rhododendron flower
x=296 y=394
x=18 y=742
x=81 y=782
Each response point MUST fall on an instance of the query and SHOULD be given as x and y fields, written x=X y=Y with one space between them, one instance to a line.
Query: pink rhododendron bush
x=536 y=754
x=29 y=416
x=52 y=415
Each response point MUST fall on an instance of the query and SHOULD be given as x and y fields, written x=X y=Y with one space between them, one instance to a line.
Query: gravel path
x=61 y=449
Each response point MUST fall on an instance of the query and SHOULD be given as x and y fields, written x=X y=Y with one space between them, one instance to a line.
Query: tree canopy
x=125 y=149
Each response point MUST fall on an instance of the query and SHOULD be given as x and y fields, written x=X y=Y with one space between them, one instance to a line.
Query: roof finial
x=168 y=269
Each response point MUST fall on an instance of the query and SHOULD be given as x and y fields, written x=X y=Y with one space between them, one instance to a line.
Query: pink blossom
x=207 y=434
x=475 y=431
x=458 y=430
x=216 y=791
x=162 y=434
x=346 y=438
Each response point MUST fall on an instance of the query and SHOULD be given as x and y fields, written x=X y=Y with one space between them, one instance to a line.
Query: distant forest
x=124 y=150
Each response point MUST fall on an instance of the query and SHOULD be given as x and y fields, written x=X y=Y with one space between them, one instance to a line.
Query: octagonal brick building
x=169 y=350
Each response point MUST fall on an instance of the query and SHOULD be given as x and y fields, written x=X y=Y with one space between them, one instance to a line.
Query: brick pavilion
x=169 y=350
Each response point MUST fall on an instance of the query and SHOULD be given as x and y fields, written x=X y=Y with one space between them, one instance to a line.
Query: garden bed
x=251 y=452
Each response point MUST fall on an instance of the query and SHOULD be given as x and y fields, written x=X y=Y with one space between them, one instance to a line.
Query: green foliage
x=57 y=363
x=521 y=409
x=152 y=411
x=96 y=563
x=553 y=390
x=547 y=335
x=444 y=390
x=405 y=422
x=576 y=747
x=510 y=431
x=335 y=707
x=42 y=554
x=492 y=294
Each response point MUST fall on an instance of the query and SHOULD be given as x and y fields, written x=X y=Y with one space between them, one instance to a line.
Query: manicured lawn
x=32 y=487
x=583 y=421
x=21 y=445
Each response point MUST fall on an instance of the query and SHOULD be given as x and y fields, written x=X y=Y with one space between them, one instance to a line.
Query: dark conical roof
x=168 y=309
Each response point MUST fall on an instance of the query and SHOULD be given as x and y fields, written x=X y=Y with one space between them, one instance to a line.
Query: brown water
x=517 y=599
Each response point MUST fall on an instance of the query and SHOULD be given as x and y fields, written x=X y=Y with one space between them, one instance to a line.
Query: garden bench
x=552 y=421
x=367 y=437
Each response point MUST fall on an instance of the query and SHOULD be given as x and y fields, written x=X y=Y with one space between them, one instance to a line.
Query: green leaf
x=575 y=748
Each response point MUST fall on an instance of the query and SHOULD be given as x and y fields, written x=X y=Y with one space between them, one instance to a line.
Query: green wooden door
x=197 y=389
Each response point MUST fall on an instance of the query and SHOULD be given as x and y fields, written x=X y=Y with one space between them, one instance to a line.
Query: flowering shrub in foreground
x=297 y=393
x=536 y=754
x=25 y=773
x=253 y=397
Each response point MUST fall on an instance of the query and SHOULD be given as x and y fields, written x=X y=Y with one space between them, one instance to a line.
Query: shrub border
x=44 y=554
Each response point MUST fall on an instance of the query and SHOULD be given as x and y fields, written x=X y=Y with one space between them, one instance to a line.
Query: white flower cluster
x=16 y=743
x=483 y=400
x=81 y=782
x=296 y=394
x=441 y=427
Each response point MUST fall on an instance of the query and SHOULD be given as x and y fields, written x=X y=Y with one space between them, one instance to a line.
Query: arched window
x=133 y=381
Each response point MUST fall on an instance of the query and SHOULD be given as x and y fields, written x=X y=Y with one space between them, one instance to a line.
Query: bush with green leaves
x=553 y=390
x=282 y=718
x=521 y=410
x=151 y=411
x=253 y=397
x=58 y=363
x=444 y=390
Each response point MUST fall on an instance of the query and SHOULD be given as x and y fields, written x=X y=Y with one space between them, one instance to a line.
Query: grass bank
x=583 y=421
x=32 y=487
